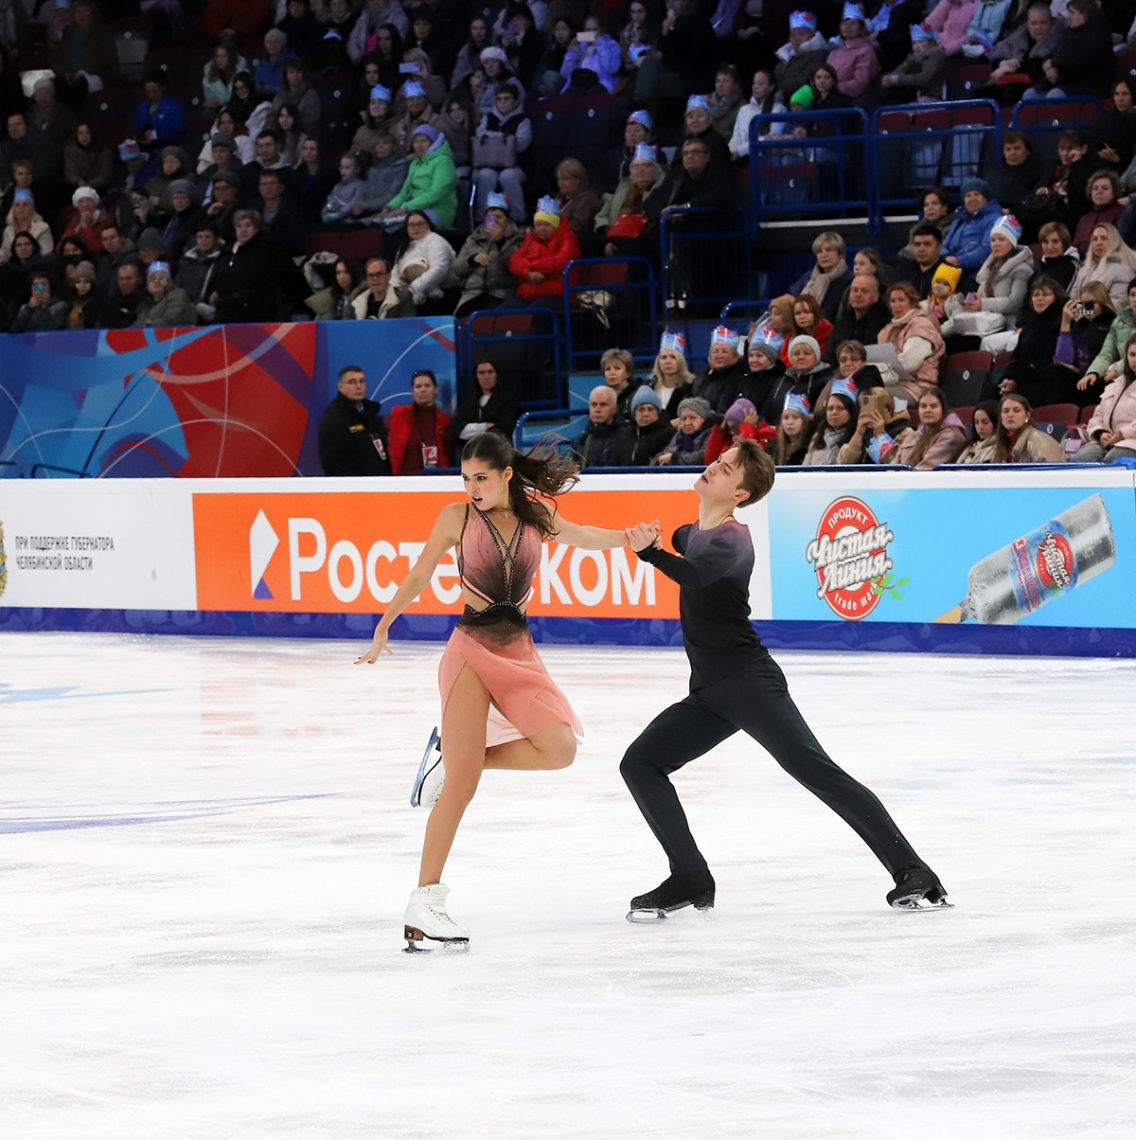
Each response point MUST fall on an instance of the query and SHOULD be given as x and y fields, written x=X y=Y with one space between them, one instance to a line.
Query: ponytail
x=538 y=473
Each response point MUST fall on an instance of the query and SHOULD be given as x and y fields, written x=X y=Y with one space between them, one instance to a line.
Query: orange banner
x=339 y=552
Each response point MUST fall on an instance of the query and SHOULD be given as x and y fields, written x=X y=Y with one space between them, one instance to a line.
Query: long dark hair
x=536 y=474
x=930 y=430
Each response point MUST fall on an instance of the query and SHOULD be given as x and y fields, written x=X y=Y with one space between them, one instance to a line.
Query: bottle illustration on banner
x=1064 y=553
x=3 y=562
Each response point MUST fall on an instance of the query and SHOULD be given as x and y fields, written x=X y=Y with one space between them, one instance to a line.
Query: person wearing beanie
x=647 y=434
x=739 y=421
x=538 y=265
x=181 y=226
x=807 y=374
x=687 y=446
x=967 y=240
x=87 y=223
x=431 y=182
x=939 y=304
x=764 y=383
x=86 y=307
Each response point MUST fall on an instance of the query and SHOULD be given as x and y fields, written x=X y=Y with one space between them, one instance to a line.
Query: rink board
x=843 y=560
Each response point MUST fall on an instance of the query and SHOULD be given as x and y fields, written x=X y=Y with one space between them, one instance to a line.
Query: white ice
x=219 y=957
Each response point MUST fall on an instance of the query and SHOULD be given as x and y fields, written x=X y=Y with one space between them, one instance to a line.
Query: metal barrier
x=826 y=171
x=1043 y=120
x=562 y=427
x=610 y=301
x=917 y=145
x=708 y=257
x=526 y=345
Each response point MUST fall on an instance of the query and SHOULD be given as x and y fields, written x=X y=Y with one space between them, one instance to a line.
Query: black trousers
x=754 y=700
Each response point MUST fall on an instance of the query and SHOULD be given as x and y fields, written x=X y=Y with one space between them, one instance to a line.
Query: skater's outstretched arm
x=587 y=537
x=716 y=560
x=446 y=534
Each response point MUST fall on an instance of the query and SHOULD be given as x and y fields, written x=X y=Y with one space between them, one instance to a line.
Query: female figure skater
x=490 y=665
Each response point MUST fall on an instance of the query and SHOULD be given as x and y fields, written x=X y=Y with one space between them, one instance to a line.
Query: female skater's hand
x=378 y=645
x=642 y=535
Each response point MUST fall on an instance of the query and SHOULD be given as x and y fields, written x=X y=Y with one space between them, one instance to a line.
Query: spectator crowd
x=409 y=128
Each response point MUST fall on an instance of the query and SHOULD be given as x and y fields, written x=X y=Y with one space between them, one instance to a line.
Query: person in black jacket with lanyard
x=352 y=434
x=488 y=408
x=735 y=684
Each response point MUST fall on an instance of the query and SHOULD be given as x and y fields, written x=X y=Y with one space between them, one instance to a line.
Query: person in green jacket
x=431 y=182
x=1109 y=362
x=166 y=305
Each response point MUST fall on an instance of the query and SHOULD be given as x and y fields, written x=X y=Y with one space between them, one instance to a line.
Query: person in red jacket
x=420 y=432
x=548 y=247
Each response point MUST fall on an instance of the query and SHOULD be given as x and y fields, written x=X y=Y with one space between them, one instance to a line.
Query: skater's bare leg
x=552 y=747
x=463 y=729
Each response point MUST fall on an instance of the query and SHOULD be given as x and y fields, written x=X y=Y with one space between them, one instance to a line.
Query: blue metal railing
x=526 y=344
x=707 y=255
x=610 y=301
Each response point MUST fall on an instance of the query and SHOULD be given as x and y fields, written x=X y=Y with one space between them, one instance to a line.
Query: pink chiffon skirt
x=525 y=699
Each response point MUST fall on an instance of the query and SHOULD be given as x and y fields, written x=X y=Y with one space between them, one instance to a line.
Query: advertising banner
x=987 y=554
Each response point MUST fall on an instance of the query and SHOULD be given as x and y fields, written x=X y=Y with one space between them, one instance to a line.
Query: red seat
x=358 y=245
x=322 y=241
x=489 y=324
x=1087 y=414
x=1056 y=414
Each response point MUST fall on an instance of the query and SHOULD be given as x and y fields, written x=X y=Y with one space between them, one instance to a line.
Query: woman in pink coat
x=1112 y=430
x=939 y=438
x=855 y=63
x=950 y=20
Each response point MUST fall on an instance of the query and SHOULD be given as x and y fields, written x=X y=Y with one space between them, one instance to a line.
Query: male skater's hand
x=642 y=535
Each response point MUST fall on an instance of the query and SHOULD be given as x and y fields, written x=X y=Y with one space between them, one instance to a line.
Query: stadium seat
x=964 y=376
x=323 y=241
x=967 y=81
x=358 y=245
x=1087 y=414
x=1057 y=413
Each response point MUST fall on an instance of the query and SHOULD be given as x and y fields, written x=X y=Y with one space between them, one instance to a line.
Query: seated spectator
x=1081 y=61
x=502 y=137
x=222 y=210
x=920 y=269
x=159 y=120
x=1108 y=362
x=129 y=292
x=807 y=374
x=482 y=263
x=578 y=205
x=1060 y=258
x=1112 y=429
x=600 y=55
x=687 y=447
x=431 y=181
x=1104 y=209
x=218 y=74
x=636 y=132
x=917 y=342
x=719 y=382
x=934 y=210
x=808 y=319
x=291 y=134
x=489 y=407
x=765 y=99
x=860 y=317
x=852 y=365
x=829 y=277
x=1023 y=50
x=379 y=301
x=870 y=262
x=985 y=28
x=346 y=198
x=166 y=305
x=42 y=311
x=739 y=421
x=377 y=119
x=84 y=58
x=294 y=91
x=268 y=157
x=468 y=58
x=241 y=107
x=1114 y=132
x=683 y=60
x=88 y=221
x=246 y=286
x=967 y=240
x=181 y=226
x=420 y=435
x=385 y=177
x=822 y=94
x=547 y=80
x=85 y=163
x=418 y=113
x=456 y=122
x=764 y=370
x=599 y=444
x=840 y=414
x=304 y=31
x=696 y=182
x=496 y=70
x=283 y=224
x=879 y=430
x=236 y=20
x=725 y=99
x=539 y=263
x=647 y=434
x=175 y=166
x=920 y=76
x=219 y=153
x=1017 y=439
x=23 y=218
x=700 y=125
x=983 y=422
x=197 y=267
x=1034 y=341
x=25 y=258
x=1110 y=263
x=671 y=378
x=794 y=432
x=151 y=248
x=85 y=310
x=950 y=21
x=352 y=433
x=939 y=438
x=629 y=217
x=798 y=59
x=313 y=180
x=422 y=266
x=268 y=74
x=618 y=368
x=777 y=324
x=854 y=60
x=1018 y=176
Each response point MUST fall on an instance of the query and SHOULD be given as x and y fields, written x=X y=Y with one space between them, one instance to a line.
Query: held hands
x=378 y=646
x=642 y=535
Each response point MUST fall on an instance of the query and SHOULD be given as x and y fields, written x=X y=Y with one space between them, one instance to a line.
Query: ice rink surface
x=206 y=849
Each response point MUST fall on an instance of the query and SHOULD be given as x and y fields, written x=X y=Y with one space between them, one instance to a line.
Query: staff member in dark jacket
x=247 y=288
x=489 y=408
x=352 y=435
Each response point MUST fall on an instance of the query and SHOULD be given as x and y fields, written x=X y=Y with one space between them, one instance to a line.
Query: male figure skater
x=735 y=684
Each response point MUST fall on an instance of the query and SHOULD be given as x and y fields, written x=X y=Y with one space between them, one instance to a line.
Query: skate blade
x=658 y=914
x=416 y=943
x=420 y=776
x=918 y=902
